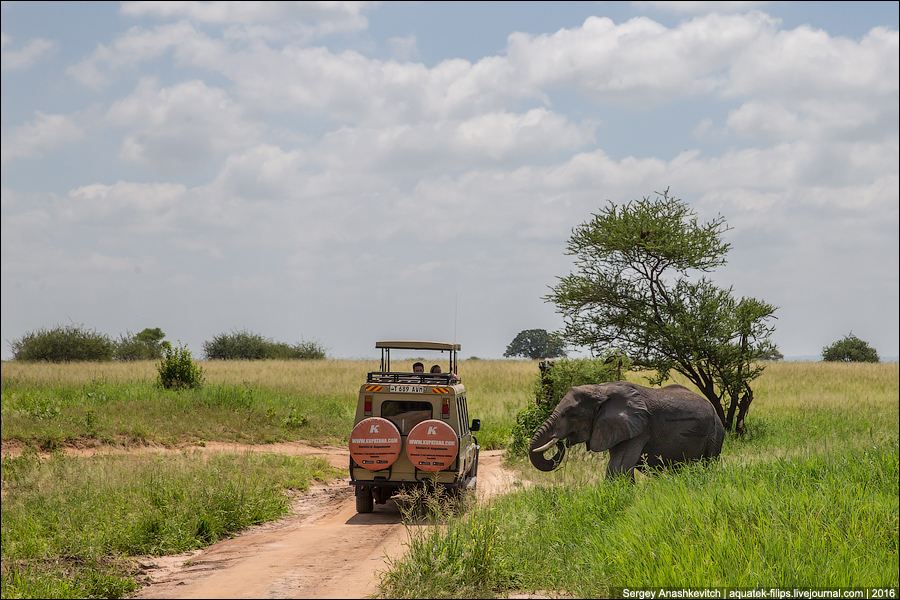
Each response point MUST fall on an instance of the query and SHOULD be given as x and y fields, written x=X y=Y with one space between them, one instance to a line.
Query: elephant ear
x=623 y=416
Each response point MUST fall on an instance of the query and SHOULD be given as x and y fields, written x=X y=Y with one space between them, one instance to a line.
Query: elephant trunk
x=542 y=441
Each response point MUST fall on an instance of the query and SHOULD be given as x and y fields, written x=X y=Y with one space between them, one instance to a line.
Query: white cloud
x=806 y=62
x=45 y=134
x=805 y=84
x=138 y=45
x=246 y=12
x=30 y=53
x=636 y=61
x=334 y=166
x=486 y=140
x=180 y=127
x=308 y=20
x=98 y=202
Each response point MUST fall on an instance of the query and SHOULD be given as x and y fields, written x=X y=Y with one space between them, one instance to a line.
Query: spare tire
x=375 y=443
x=432 y=445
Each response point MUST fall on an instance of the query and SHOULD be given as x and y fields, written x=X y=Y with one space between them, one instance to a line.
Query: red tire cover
x=375 y=443
x=432 y=445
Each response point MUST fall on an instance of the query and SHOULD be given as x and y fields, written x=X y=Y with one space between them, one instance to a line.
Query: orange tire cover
x=375 y=443
x=432 y=445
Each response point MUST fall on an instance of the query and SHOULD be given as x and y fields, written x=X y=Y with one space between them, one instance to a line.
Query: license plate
x=408 y=389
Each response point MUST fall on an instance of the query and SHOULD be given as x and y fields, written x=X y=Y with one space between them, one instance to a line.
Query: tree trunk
x=729 y=420
x=743 y=408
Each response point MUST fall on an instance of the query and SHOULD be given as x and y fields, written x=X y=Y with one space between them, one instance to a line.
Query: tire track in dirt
x=323 y=550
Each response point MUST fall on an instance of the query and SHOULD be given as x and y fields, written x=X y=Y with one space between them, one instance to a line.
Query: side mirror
x=476 y=425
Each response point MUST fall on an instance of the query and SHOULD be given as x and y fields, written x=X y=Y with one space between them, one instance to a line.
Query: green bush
x=246 y=345
x=527 y=422
x=850 y=349
x=177 y=369
x=146 y=345
x=308 y=351
x=63 y=344
x=552 y=384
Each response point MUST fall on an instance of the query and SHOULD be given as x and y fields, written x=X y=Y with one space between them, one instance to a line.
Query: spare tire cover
x=432 y=445
x=375 y=443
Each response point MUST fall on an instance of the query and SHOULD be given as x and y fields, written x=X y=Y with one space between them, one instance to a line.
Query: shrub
x=63 y=344
x=146 y=345
x=237 y=345
x=850 y=349
x=553 y=382
x=245 y=345
x=309 y=351
x=558 y=376
x=177 y=369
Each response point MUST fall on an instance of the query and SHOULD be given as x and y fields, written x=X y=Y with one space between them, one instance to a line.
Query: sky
x=348 y=172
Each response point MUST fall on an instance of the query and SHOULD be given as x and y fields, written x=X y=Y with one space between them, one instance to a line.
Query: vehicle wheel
x=365 y=503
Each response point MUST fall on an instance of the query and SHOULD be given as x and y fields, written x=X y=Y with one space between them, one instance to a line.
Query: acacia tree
x=536 y=343
x=850 y=349
x=639 y=287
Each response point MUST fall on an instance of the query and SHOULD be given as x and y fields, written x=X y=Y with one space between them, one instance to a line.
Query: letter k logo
x=432 y=430
x=373 y=428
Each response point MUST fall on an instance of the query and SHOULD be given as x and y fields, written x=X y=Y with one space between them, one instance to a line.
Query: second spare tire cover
x=375 y=443
x=432 y=445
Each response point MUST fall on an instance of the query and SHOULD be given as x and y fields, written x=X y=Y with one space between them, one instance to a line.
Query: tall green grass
x=70 y=523
x=808 y=498
x=139 y=413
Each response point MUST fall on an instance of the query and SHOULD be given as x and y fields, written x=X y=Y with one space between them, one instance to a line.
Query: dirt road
x=324 y=550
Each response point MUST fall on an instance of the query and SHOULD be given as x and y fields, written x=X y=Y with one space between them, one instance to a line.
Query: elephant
x=640 y=426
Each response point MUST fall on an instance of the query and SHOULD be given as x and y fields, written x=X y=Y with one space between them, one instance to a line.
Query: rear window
x=405 y=414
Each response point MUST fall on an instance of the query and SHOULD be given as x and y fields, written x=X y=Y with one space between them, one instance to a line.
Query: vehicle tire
x=365 y=503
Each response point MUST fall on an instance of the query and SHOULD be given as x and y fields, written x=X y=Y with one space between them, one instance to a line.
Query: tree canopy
x=639 y=287
x=850 y=349
x=146 y=345
x=536 y=343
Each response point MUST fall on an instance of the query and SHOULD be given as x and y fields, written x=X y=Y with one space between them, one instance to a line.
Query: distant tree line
x=69 y=343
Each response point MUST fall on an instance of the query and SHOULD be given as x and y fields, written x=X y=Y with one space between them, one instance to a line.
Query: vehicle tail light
x=367 y=406
x=445 y=410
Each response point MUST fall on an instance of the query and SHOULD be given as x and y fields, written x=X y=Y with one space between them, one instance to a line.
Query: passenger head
x=436 y=369
x=418 y=367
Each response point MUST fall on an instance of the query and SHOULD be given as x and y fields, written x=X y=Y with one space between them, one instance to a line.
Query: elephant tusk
x=546 y=446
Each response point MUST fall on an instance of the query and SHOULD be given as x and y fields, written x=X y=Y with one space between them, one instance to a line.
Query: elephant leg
x=624 y=456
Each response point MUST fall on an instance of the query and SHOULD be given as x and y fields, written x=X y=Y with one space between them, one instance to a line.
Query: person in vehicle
x=437 y=369
x=418 y=367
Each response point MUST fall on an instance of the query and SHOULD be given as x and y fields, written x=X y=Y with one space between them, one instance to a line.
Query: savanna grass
x=48 y=407
x=808 y=498
x=69 y=523
x=53 y=405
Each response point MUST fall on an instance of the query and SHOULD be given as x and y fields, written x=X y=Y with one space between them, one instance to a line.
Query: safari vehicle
x=411 y=430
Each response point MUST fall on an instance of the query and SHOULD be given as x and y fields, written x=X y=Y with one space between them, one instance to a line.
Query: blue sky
x=349 y=172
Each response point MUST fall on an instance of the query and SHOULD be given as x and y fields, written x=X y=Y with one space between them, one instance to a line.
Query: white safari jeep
x=411 y=429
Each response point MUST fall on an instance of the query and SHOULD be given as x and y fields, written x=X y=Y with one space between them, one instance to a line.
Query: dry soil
x=324 y=549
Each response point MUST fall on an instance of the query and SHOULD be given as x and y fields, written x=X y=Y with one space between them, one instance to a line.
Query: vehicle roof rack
x=417 y=345
x=387 y=346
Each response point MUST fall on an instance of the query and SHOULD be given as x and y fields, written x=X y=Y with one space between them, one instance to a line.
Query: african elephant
x=638 y=425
